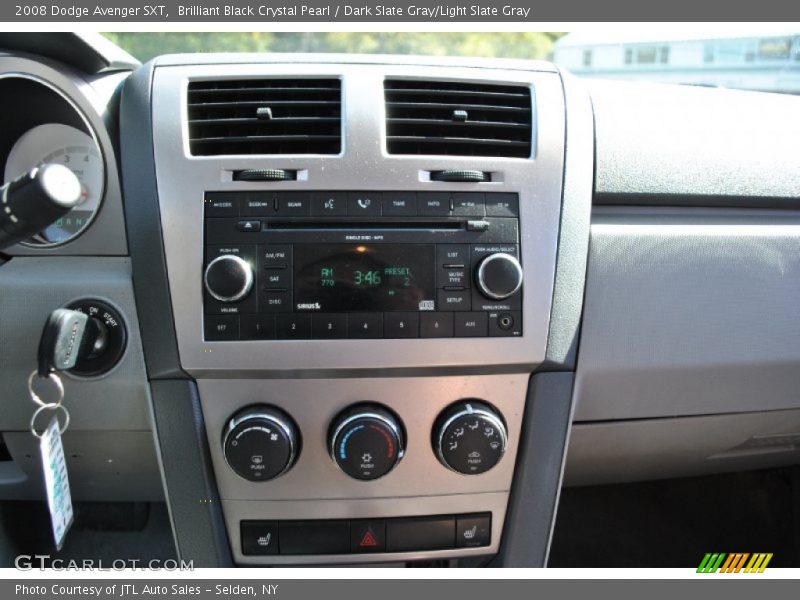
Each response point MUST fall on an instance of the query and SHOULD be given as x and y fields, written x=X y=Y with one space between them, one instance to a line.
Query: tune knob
x=366 y=441
x=260 y=443
x=470 y=437
x=499 y=276
x=228 y=278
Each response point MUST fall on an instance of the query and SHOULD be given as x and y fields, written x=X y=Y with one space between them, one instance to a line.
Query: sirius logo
x=309 y=306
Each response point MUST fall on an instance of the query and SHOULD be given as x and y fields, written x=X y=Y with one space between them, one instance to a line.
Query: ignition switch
x=93 y=328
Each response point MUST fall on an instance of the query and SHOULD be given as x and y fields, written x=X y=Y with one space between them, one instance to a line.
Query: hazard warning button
x=368 y=536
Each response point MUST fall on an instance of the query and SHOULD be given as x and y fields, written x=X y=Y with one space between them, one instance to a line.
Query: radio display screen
x=364 y=277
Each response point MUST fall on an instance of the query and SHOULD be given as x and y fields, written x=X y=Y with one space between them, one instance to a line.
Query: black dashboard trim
x=696 y=201
x=143 y=222
x=89 y=53
x=537 y=476
x=190 y=487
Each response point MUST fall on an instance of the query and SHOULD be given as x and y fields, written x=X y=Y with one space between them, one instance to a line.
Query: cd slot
x=384 y=224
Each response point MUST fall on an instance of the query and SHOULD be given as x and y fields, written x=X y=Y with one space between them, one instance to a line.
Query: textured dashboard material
x=623 y=451
x=683 y=145
x=109 y=443
x=690 y=315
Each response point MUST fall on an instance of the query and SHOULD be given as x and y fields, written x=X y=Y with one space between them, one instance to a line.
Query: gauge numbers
x=58 y=143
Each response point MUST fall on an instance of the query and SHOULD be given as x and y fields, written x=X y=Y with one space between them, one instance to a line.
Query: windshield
x=758 y=57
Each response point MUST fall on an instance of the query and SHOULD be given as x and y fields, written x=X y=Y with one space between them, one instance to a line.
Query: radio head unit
x=335 y=265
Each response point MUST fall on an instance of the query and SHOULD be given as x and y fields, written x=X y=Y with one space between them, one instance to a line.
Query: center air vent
x=265 y=116
x=459 y=119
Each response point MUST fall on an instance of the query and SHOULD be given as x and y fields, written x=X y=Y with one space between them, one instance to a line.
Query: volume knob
x=499 y=276
x=228 y=278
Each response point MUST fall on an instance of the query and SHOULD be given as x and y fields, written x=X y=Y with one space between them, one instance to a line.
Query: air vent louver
x=265 y=116
x=457 y=119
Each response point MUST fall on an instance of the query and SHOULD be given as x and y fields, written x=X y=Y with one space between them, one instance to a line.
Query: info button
x=434 y=204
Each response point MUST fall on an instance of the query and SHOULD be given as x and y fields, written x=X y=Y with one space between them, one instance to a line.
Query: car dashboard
x=380 y=309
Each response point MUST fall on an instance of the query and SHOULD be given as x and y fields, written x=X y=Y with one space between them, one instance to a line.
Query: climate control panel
x=365 y=441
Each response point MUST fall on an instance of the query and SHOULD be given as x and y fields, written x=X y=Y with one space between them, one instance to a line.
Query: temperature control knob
x=366 y=441
x=260 y=443
x=470 y=437
x=228 y=278
x=499 y=276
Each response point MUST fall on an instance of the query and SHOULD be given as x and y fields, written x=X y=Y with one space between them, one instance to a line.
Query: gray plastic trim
x=114 y=406
x=299 y=58
x=88 y=51
x=573 y=235
x=686 y=145
x=690 y=312
x=183 y=179
x=625 y=451
x=32 y=287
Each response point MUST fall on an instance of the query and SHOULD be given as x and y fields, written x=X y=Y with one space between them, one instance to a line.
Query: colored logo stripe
x=710 y=562
x=758 y=563
x=734 y=563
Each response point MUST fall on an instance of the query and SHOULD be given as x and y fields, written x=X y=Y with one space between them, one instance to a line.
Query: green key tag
x=56 y=482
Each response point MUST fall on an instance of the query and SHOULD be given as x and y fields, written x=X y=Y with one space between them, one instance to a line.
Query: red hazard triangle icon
x=368 y=540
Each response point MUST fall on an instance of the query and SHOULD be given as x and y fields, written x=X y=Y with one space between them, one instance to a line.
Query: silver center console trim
x=315 y=380
x=418 y=485
x=363 y=164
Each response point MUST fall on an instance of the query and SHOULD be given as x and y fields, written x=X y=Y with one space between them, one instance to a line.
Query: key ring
x=56 y=381
x=51 y=406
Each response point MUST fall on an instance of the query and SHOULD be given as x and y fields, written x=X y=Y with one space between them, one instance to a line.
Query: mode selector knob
x=470 y=437
x=260 y=443
x=228 y=278
x=366 y=441
x=499 y=276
